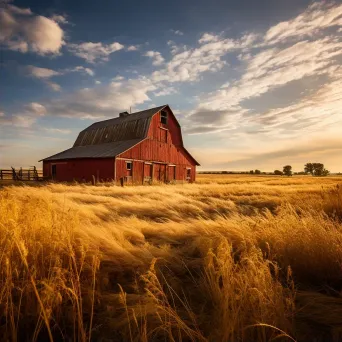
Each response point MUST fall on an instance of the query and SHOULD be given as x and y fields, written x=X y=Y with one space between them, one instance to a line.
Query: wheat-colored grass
x=230 y=258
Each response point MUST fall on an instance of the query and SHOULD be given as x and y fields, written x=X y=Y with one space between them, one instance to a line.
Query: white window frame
x=131 y=165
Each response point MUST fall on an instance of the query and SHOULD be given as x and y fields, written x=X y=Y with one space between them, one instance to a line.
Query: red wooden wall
x=174 y=135
x=79 y=169
x=164 y=146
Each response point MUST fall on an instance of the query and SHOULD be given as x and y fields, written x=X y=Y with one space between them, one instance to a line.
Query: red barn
x=135 y=148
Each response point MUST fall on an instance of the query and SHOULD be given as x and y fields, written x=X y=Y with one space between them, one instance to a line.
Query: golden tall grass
x=230 y=258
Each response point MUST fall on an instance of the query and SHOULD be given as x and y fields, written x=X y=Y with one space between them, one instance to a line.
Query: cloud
x=57 y=130
x=276 y=67
x=204 y=120
x=325 y=150
x=313 y=112
x=45 y=74
x=166 y=91
x=94 y=52
x=24 y=121
x=36 y=108
x=188 y=64
x=118 y=78
x=42 y=73
x=177 y=32
x=58 y=18
x=18 y=10
x=319 y=16
x=18 y=120
x=23 y=31
x=156 y=56
x=102 y=101
x=88 y=71
x=132 y=48
x=31 y=112
x=225 y=85
x=208 y=38
x=269 y=67
x=54 y=86
x=97 y=82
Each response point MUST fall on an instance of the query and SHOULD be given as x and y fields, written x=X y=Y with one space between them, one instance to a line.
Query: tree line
x=315 y=169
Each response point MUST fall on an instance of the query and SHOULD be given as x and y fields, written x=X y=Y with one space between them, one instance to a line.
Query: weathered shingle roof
x=132 y=126
x=111 y=137
x=106 y=150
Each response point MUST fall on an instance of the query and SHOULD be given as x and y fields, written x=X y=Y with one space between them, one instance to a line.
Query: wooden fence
x=30 y=174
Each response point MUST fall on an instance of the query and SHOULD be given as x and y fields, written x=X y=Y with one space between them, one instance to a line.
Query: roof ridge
x=129 y=117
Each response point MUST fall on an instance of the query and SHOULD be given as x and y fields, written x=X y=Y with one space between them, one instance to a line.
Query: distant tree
x=287 y=170
x=325 y=172
x=309 y=168
x=278 y=172
x=316 y=169
x=251 y=172
x=257 y=172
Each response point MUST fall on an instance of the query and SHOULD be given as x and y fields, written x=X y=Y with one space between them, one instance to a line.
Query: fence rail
x=30 y=174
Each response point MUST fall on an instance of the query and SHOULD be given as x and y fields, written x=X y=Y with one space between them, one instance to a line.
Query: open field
x=230 y=258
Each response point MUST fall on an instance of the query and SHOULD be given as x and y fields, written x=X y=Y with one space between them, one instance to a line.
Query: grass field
x=230 y=258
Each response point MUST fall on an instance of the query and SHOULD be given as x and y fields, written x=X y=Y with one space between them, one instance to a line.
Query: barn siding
x=79 y=169
x=174 y=131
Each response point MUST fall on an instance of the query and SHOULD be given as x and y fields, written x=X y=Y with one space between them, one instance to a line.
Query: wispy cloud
x=188 y=64
x=59 y=18
x=36 y=108
x=57 y=130
x=102 y=101
x=46 y=74
x=177 y=32
x=318 y=17
x=305 y=54
x=94 y=52
x=166 y=91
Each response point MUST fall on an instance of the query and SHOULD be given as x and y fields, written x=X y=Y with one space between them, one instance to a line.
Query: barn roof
x=106 y=150
x=132 y=126
x=109 y=138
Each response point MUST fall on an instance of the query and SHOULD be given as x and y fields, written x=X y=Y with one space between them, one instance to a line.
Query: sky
x=254 y=84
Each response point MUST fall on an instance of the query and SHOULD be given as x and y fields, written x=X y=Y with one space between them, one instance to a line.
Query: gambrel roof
x=132 y=126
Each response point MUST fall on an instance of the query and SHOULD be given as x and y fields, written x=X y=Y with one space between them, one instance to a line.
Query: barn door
x=171 y=173
x=156 y=169
x=147 y=173
x=159 y=173
x=53 y=171
x=162 y=173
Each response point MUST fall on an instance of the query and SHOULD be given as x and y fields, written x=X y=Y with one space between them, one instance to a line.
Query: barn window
x=163 y=117
x=129 y=165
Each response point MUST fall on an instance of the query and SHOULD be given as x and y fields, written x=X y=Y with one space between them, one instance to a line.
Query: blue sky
x=254 y=84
